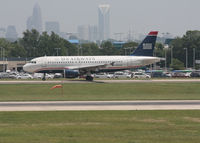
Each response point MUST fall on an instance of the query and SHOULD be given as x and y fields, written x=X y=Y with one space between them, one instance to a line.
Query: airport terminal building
x=13 y=64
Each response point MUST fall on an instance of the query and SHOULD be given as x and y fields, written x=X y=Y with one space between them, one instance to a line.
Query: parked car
x=195 y=74
x=37 y=75
x=181 y=74
x=49 y=76
x=161 y=75
x=103 y=75
x=167 y=74
x=122 y=75
x=140 y=75
x=58 y=75
x=13 y=76
x=41 y=75
x=24 y=76
x=4 y=75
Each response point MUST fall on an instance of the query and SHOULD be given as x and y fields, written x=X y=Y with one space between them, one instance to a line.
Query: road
x=100 y=105
x=98 y=81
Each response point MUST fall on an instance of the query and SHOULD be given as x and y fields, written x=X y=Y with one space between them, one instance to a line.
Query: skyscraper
x=52 y=26
x=104 y=22
x=83 y=32
x=2 y=32
x=35 y=21
x=11 y=33
x=93 y=31
x=87 y=32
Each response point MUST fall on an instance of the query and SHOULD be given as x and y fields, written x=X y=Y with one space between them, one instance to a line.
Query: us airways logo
x=147 y=46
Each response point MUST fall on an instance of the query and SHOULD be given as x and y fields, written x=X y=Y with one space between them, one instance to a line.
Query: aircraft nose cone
x=25 y=68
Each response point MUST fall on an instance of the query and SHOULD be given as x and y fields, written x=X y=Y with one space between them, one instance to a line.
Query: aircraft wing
x=89 y=67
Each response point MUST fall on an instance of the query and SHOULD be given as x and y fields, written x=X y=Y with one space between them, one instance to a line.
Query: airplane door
x=44 y=63
x=129 y=62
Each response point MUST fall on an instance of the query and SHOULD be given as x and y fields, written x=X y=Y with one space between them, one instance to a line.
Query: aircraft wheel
x=89 y=78
x=44 y=77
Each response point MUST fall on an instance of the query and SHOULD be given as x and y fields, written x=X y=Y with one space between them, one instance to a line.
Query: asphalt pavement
x=100 y=105
x=98 y=81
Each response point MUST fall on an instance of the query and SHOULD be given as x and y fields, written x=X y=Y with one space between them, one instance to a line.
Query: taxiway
x=100 y=105
x=98 y=81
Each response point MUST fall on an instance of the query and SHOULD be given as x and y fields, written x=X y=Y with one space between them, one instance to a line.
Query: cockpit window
x=32 y=62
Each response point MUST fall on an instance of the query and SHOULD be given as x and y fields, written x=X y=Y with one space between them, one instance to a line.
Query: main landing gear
x=89 y=78
x=44 y=77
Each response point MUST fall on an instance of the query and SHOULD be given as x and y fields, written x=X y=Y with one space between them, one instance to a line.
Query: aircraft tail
x=146 y=48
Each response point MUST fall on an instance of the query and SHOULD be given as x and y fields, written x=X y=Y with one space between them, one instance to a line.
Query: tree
x=191 y=40
x=108 y=49
x=6 y=46
x=16 y=50
x=130 y=46
x=90 y=49
x=30 y=42
x=177 y=65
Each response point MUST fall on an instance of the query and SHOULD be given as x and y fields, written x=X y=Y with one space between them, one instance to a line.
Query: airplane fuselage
x=55 y=64
x=73 y=66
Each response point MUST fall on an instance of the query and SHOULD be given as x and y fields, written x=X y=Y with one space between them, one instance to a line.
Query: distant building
x=93 y=33
x=88 y=32
x=75 y=42
x=35 y=21
x=29 y=23
x=104 y=22
x=11 y=33
x=2 y=33
x=118 y=44
x=83 y=32
x=52 y=26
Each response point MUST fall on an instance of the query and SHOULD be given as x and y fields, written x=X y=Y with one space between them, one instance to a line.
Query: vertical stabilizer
x=146 y=48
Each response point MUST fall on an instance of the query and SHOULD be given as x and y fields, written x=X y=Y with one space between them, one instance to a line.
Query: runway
x=99 y=81
x=101 y=105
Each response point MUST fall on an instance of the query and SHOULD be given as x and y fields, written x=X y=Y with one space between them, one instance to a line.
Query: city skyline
x=137 y=16
x=35 y=21
x=104 y=21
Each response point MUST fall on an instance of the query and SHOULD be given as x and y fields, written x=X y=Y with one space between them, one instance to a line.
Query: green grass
x=100 y=91
x=100 y=127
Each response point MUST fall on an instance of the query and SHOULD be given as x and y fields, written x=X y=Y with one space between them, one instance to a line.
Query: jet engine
x=71 y=73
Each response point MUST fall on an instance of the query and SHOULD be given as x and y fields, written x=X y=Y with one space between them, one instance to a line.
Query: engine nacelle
x=71 y=73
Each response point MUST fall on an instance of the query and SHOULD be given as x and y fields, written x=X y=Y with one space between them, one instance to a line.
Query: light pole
x=127 y=49
x=57 y=50
x=154 y=55
x=81 y=52
x=166 y=48
x=194 y=58
x=171 y=55
x=130 y=50
x=79 y=47
x=2 y=57
x=186 y=58
x=120 y=35
x=34 y=52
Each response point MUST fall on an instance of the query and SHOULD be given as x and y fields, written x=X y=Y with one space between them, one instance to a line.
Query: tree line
x=34 y=44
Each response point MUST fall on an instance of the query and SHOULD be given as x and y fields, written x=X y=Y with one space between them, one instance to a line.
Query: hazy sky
x=141 y=16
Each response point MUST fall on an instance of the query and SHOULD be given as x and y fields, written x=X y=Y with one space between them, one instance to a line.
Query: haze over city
x=137 y=16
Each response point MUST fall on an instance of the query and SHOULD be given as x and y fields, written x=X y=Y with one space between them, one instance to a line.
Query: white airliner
x=74 y=66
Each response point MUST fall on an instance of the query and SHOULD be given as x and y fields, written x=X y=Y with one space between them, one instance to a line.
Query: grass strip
x=100 y=126
x=100 y=91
